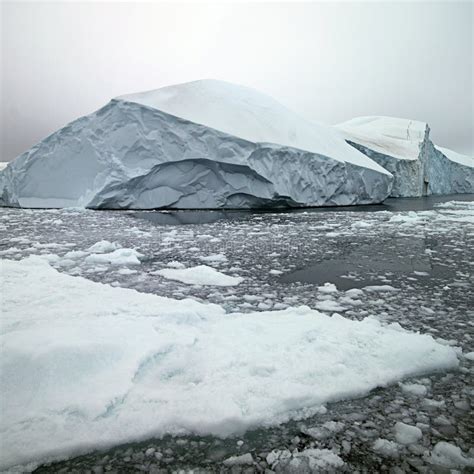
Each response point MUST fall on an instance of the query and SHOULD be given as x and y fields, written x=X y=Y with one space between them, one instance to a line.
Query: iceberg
x=404 y=148
x=200 y=145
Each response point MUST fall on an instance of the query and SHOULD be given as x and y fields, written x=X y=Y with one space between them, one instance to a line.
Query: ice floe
x=86 y=365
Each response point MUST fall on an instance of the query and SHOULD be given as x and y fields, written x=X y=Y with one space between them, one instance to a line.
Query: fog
x=328 y=61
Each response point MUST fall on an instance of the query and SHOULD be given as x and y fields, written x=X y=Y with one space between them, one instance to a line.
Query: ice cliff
x=404 y=148
x=203 y=144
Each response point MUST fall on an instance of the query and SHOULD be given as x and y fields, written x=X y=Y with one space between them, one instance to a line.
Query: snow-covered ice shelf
x=86 y=365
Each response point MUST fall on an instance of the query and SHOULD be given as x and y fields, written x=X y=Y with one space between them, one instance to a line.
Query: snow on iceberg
x=404 y=148
x=85 y=365
x=203 y=144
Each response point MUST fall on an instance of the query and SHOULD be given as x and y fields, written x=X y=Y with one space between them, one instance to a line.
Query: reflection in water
x=365 y=266
x=210 y=216
x=189 y=217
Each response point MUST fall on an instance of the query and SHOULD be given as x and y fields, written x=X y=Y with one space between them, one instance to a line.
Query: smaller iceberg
x=403 y=147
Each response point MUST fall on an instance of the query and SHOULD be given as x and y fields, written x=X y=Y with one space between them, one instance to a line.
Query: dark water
x=365 y=266
x=189 y=217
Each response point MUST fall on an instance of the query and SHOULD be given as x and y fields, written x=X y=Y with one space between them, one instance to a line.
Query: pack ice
x=87 y=365
x=404 y=148
x=203 y=144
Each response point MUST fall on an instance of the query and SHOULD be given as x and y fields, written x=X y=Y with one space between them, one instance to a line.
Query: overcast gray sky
x=328 y=61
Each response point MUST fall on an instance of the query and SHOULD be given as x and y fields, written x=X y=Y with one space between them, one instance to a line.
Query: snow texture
x=404 y=148
x=85 y=365
x=204 y=144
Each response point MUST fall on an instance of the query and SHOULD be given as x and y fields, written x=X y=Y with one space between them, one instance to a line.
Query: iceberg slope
x=404 y=148
x=205 y=144
x=90 y=365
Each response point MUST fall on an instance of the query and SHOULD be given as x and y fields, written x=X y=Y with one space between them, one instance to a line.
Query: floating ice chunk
x=469 y=356
x=410 y=218
x=386 y=448
x=74 y=254
x=329 y=306
x=103 y=246
x=407 y=434
x=10 y=251
x=117 y=257
x=126 y=271
x=275 y=272
x=242 y=460
x=354 y=293
x=450 y=456
x=175 y=264
x=218 y=257
x=324 y=431
x=200 y=275
x=328 y=288
x=380 y=288
x=430 y=403
x=414 y=389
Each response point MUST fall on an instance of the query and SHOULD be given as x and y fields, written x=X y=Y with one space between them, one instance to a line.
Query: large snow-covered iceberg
x=404 y=148
x=203 y=144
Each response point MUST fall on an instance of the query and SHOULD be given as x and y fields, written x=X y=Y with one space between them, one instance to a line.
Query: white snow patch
x=89 y=365
x=200 y=275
